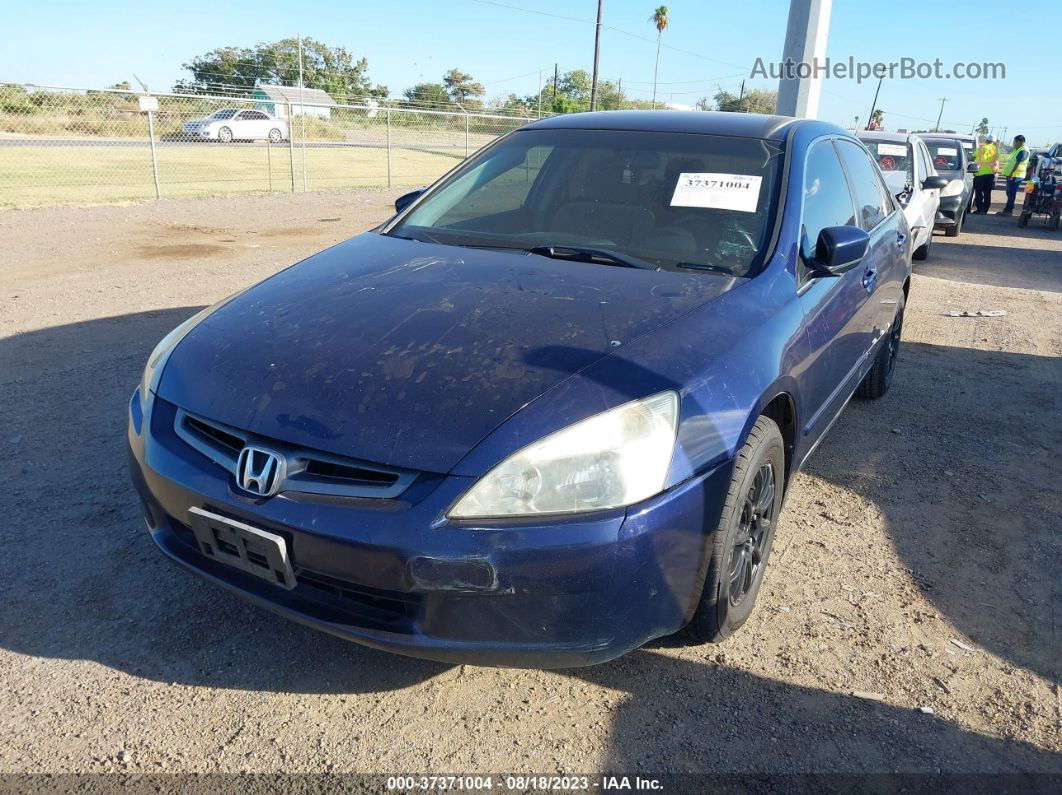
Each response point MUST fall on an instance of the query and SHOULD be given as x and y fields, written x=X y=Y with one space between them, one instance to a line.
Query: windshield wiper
x=705 y=266
x=603 y=256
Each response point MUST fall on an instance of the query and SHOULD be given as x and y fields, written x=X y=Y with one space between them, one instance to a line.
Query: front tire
x=275 y=136
x=225 y=135
x=955 y=228
x=743 y=538
x=879 y=379
x=922 y=252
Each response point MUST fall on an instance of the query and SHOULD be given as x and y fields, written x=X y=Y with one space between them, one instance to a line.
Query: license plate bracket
x=241 y=546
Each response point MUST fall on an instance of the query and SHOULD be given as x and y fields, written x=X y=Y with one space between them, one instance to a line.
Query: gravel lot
x=916 y=566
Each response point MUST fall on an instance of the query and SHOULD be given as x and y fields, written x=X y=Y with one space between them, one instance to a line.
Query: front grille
x=308 y=471
x=230 y=442
x=345 y=473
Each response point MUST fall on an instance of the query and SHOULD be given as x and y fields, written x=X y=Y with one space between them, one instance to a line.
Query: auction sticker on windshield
x=739 y=192
x=893 y=150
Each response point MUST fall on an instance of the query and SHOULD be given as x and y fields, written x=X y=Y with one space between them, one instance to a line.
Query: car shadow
x=84 y=581
x=717 y=720
x=998 y=265
x=974 y=515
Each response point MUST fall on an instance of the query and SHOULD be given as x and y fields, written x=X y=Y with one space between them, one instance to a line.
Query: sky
x=710 y=44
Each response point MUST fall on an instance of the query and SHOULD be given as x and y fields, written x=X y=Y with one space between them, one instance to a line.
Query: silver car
x=233 y=124
x=908 y=169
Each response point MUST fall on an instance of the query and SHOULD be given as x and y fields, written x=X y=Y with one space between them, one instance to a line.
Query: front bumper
x=398 y=576
x=951 y=207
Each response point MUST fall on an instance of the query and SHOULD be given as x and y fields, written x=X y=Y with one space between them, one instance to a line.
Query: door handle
x=901 y=238
x=869 y=277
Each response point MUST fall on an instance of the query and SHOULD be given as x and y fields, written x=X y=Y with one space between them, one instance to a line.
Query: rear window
x=945 y=155
x=891 y=156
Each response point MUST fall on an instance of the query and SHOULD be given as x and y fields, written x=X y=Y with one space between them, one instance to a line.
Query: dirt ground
x=909 y=621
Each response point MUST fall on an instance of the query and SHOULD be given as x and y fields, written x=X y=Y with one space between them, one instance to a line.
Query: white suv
x=232 y=124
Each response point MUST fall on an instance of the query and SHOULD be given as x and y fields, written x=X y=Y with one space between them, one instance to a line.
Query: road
x=908 y=622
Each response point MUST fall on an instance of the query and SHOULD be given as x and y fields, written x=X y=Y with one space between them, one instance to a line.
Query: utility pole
x=540 y=93
x=597 y=55
x=741 y=96
x=874 y=104
x=941 y=114
x=805 y=43
x=556 y=78
x=619 y=90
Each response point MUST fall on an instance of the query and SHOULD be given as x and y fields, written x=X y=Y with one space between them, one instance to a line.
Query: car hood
x=409 y=353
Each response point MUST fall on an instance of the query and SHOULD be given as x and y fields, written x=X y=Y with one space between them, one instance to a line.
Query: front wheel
x=879 y=379
x=955 y=228
x=275 y=136
x=1054 y=223
x=225 y=135
x=922 y=252
x=1023 y=219
x=743 y=538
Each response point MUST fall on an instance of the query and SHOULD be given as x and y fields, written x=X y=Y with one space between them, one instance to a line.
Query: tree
x=983 y=127
x=432 y=95
x=572 y=94
x=757 y=100
x=661 y=19
x=331 y=69
x=462 y=88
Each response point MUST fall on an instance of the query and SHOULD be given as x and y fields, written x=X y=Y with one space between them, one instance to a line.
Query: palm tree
x=660 y=19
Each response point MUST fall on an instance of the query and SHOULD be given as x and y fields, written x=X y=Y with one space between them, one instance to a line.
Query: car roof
x=878 y=135
x=745 y=125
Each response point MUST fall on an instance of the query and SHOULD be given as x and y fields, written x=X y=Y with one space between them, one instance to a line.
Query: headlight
x=953 y=188
x=149 y=381
x=610 y=460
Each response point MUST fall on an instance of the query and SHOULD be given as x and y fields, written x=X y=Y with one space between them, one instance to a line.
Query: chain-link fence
x=70 y=146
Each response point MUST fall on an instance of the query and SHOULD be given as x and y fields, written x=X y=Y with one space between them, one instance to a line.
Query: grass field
x=73 y=174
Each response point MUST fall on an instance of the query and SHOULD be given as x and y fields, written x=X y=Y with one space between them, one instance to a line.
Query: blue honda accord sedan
x=549 y=410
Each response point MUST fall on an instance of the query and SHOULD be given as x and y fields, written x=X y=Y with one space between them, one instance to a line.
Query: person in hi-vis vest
x=986 y=158
x=1014 y=170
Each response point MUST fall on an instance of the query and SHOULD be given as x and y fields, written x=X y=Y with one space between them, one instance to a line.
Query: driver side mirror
x=934 y=183
x=971 y=168
x=406 y=199
x=839 y=249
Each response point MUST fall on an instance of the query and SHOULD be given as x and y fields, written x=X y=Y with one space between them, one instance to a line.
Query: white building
x=275 y=100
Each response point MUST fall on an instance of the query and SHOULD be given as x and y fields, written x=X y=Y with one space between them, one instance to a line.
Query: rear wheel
x=1023 y=219
x=225 y=135
x=879 y=379
x=743 y=538
x=1054 y=222
x=274 y=136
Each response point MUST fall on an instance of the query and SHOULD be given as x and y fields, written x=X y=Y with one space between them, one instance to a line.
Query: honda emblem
x=260 y=471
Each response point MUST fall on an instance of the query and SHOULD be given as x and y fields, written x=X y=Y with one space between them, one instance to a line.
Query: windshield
x=945 y=155
x=228 y=113
x=674 y=201
x=894 y=159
